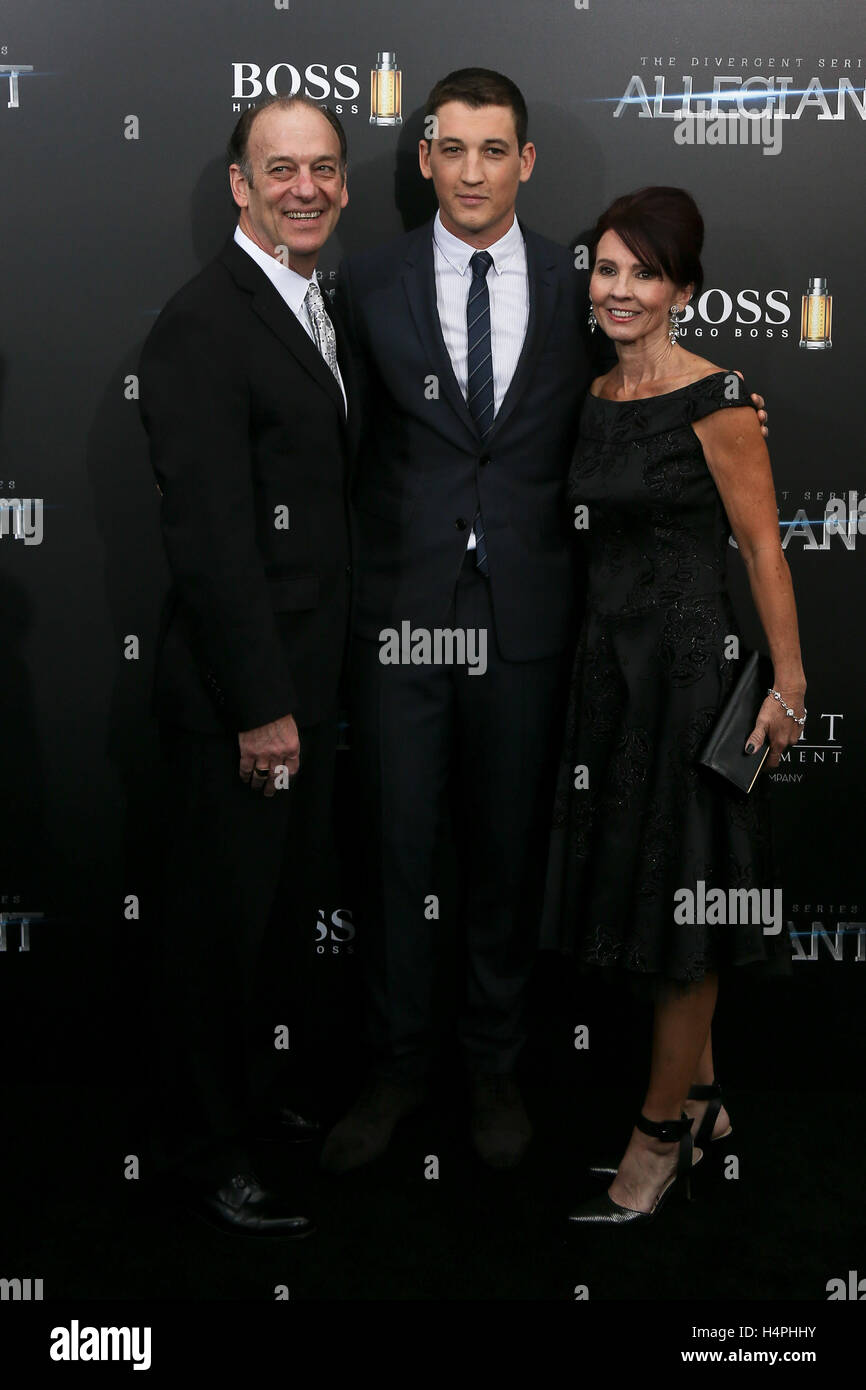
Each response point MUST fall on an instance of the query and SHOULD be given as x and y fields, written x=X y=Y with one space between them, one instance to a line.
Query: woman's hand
x=777 y=727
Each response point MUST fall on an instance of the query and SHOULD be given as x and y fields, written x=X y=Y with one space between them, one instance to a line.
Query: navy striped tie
x=479 y=387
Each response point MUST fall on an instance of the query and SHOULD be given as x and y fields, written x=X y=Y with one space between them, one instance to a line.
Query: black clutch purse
x=723 y=750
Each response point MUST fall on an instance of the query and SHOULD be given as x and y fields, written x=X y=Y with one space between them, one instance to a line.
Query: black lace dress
x=650 y=675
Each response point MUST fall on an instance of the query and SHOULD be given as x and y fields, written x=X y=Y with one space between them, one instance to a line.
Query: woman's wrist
x=789 y=682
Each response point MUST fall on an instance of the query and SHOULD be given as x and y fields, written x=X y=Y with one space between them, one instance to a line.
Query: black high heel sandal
x=704 y=1137
x=703 y=1141
x=604 y=1211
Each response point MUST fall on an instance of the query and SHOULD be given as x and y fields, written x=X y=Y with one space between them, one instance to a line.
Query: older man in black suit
x=248 y=398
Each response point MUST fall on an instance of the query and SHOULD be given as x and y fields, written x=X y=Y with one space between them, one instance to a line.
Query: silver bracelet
x=790 y=713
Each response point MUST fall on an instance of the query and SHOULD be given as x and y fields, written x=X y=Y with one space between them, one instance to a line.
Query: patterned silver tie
x=323 y=329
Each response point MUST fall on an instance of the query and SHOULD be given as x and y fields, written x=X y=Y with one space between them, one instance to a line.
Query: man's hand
x=266 y=749
x=758 y=403
x=763 y=417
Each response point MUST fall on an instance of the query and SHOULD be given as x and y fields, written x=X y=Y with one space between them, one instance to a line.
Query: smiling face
x=632 y=301
x=476 y=170
x=298 y=188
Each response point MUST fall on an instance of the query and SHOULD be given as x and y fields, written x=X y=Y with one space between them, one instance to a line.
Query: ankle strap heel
x=670 y=1132
x=603 y=1211
x=712 y=1094
x=706 y=1092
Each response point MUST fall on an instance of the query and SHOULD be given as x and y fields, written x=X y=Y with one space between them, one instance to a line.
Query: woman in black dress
x=670 y=461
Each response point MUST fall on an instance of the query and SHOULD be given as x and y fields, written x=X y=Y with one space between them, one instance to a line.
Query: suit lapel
x=272 y=309
x=419 y=280
x=351 y=418
x=541 y=280
x=420 y=283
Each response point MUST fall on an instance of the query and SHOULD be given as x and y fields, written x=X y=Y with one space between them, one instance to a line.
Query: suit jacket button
x=485 y=458
x=348 y=569
x=460 y=523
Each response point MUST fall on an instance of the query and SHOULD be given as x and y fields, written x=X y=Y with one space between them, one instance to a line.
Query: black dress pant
x=235 y=866
x=424 y=736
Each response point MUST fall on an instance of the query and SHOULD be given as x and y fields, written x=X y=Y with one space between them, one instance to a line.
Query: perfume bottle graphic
x=385 y=93
x=817 y=315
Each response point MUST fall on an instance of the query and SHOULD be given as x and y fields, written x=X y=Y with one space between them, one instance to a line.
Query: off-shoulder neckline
x=662 y=395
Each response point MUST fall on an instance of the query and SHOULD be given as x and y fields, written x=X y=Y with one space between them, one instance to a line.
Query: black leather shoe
x=365 y=1131
x=604 y=1211
x=500 y=1127
x=241 y=1206
x=287 y=1125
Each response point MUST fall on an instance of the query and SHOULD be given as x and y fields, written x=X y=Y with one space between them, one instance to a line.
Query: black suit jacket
x=423 y=471
x=245 y=418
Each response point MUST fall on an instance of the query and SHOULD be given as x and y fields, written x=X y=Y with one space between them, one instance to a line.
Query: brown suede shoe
x=364 y=1132
x=500 y=1127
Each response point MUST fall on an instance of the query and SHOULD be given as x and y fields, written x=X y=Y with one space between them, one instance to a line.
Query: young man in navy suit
x=470 y=335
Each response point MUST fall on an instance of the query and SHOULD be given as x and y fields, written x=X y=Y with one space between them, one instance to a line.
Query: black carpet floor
x=792 y=1219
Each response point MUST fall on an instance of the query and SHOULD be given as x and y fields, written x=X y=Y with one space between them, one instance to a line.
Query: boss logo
x=283 y=79
x=335 y=934
x=759 y=313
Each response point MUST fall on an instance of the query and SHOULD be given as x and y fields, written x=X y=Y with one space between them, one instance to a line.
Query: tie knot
x=314 y=293
x=481 y=262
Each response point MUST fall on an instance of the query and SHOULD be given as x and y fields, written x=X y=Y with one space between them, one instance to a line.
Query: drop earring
x=674 y=331
x=592 y=320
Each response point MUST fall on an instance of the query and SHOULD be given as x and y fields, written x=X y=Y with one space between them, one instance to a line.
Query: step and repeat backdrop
x=113 y=122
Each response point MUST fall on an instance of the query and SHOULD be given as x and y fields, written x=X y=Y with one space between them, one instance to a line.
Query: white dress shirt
x=508 y=288
x=291 y=287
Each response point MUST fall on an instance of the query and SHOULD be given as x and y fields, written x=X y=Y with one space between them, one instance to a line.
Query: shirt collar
x=458 y=254
x=292 y=286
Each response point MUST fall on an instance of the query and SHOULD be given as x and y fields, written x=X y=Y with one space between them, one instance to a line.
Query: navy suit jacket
x=423 y=471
